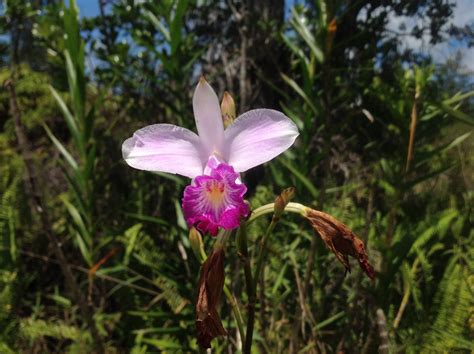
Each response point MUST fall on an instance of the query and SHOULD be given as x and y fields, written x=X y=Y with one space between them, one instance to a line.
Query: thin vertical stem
x=414 y=119
x=262 y=252
x=405 y=299
x=243 y=252
x=261 y=298
x=384 y=347
x=221 y=239
x=236 y=310
x=254 y=284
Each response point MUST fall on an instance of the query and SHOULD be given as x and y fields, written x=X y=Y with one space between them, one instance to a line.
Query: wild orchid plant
x=213 y=202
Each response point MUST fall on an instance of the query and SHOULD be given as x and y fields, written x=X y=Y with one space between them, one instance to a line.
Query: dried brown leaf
x=211 y=283
x=340 y=240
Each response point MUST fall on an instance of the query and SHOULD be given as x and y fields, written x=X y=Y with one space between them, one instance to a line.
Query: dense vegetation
x=95 y=255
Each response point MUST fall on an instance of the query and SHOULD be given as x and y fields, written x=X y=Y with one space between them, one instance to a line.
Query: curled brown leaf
x=211 y=283
x=340 y=240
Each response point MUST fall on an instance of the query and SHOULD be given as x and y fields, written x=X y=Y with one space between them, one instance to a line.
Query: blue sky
x=88 y=8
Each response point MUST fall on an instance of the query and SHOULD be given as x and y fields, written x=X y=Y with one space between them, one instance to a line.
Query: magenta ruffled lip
x=215 y=201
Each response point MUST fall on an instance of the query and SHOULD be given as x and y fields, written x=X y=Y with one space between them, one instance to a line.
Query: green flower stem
x=243 y=253
x=252 y=282
x=222 y=238
x=236 y=310
x=269 y=208
x=262 y=253
x=252 y=288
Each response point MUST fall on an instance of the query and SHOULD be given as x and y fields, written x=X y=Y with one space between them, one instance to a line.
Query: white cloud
x=463 y=14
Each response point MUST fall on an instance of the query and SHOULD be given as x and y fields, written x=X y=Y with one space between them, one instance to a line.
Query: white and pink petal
x=207 y=113
x=256 y=137
x=165 y=148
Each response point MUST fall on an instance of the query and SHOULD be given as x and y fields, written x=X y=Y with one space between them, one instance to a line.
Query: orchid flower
x=214 y=158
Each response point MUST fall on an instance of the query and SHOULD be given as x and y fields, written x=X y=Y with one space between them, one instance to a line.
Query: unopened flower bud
x=228 y=109
x=197 y=245
x=282 y=201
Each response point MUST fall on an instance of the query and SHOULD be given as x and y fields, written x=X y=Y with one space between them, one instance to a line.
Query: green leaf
x=176 y=179
x=71 y=73
x=131 y=237
x=71 y=29
x=158 y=24
x=458 y=97
x=78 y=221
x=4 y=348
x=176 y=25
x=279 y=280
x=463 y=117
x=75 y=87
x=148 y=218
x=162 y=344
x=295 y=49
x=293 y=115
x=61 y=300
x=179 y=216
x=330 y=320
x=305 y=33
x=67 y=156
x=162 y=330
x=69 y=118
x=35 y=329
x=300 y=92
x=90 y=163
x=428 y=176
x=426 y=157
x=77 y=185
x=429 y=233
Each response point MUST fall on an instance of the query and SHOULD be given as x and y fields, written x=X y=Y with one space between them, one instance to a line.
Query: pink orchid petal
x=258 y=136
x=215 y=201
x=207 y=113
x=165 y=148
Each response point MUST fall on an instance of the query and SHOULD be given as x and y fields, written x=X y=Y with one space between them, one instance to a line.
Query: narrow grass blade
x=67 y=156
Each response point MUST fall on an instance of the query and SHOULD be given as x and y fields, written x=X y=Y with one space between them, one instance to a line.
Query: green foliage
x=33 y=96
x=33 y=329
x=80 y=122
x=85 y=84
x=452 y=309
x=11 y=170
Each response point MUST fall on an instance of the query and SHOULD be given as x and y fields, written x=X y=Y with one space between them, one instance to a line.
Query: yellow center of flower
x=215 y=193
